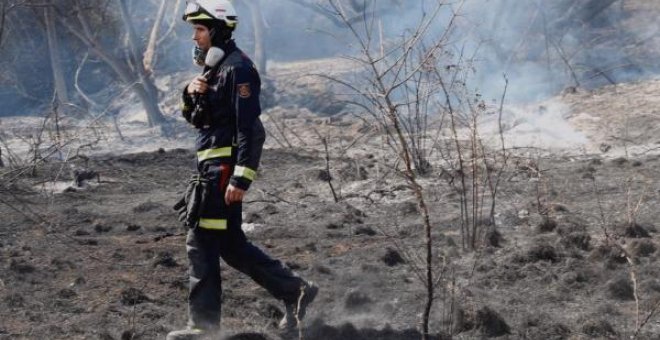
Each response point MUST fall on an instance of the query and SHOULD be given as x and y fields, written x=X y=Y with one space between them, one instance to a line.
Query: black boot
x=296 y=310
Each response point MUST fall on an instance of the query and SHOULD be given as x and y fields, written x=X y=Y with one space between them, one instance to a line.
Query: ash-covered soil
x=109 y=262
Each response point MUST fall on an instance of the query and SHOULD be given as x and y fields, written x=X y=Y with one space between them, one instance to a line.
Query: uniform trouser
x=205 y=247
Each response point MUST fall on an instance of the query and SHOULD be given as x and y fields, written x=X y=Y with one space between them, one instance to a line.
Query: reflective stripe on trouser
x=213 y=153
x=213 y=224
x=204 y=249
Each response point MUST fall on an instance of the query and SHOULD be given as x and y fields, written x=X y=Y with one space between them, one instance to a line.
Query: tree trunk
x=154 y=115
x=2 y=20
x=56 y=65
x=260 y=56
x=150 y=53
x=123 y=72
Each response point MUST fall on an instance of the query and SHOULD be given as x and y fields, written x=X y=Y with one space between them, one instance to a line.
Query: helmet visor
x=196 y=12
x=191 y=8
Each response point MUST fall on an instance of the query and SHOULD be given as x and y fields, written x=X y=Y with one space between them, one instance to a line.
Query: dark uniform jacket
x=234 y=133
x=229 y=144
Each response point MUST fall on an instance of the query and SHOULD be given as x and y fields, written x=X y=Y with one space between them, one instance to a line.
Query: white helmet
x=221 y=10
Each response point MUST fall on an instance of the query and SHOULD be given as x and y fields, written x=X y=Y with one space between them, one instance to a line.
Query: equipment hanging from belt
x=190 y=206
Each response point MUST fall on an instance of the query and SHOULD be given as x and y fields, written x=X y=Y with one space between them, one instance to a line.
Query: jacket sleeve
x=250 y=134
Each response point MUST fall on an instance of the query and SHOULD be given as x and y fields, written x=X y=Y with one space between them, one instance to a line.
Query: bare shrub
x=415 y=91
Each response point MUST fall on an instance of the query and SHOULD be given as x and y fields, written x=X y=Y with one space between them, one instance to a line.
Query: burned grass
x=111 y=258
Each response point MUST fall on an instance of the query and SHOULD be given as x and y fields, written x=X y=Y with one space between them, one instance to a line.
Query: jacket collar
x=228 y=46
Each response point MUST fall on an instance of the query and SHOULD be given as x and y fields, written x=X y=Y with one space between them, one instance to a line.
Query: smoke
x=545 y=47
x=542 y=47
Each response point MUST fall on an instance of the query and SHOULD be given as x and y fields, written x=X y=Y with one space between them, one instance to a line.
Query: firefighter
x=223 y=105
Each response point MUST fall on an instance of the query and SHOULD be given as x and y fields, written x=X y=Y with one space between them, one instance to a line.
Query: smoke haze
x=542 y=47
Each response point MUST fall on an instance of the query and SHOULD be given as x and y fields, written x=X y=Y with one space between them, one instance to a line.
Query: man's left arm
x=250 y=133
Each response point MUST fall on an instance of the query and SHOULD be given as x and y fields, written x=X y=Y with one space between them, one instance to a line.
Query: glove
x=190 y=205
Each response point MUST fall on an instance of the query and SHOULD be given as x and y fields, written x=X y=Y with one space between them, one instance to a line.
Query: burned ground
x=108 y=261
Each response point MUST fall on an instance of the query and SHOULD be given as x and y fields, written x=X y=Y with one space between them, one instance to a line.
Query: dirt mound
x=617 y=116
x=320 y=331
x=306 y=84
x=248 y=336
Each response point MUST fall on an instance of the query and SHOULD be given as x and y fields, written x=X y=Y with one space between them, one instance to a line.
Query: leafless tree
x=404 y=86
x=396 y=89
x=150 y=52
x=61 y=91
x=129 y=70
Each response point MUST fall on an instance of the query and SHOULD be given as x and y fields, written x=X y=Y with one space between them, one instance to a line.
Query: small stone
x=605 y=148
x=620 y=161
x=642 y=248
x=490 y=323
x=356 y=300
x=392 y=258
x=333 y=226
x=493 y=238
x=547 y=225
x=133 y=227
x=14 y=300
x=248 y=336
x=88 y=242
x=542 y=252
x=79 y=281
x=636 y=231
x=165 y=259
x=323 y=269
x=323 y=175
x=128 y=335
x=621 y=289
x=270 y=209
x=368 y=231
x=253 y=217
x=21 y=267
x=293 y=265
x=598 y=328
x=105 y=335
x=311 y=247
x=101 y=228
x=579 y=240
x=66 y=294
x=81 y=232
